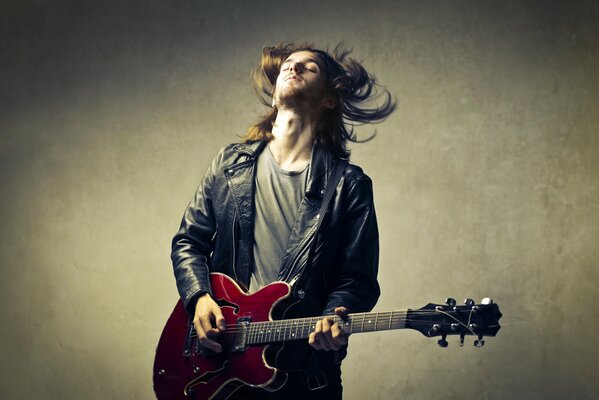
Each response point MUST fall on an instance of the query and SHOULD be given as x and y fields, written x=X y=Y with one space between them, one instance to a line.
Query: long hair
x=346 y=80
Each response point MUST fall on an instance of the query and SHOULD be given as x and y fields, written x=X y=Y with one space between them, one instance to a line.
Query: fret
x=294 y=333
x=345 y=324
x=376 y=320
x=390 y=319
x=285 y=328
x=269 y=331
x=401 y=323
x=307 y=325
x=363 y=318
x=369 y=322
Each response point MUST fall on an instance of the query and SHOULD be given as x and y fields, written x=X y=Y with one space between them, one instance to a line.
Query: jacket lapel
x=241 y=180
x=304 y=227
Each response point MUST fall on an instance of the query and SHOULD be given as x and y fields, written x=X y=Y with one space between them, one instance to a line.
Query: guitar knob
x=469 y=302
x=479 y=342
x=450 y=302
x=442 y=342
x=487 y=301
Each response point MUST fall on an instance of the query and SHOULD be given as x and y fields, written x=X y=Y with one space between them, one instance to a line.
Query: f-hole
x=226 y=303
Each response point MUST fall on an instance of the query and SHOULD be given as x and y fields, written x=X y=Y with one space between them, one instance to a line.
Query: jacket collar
x=321 y=164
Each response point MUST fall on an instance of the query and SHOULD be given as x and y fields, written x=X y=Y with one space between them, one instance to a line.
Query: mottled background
x=486 y=182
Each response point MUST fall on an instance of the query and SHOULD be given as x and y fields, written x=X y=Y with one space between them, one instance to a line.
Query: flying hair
x=346 y=80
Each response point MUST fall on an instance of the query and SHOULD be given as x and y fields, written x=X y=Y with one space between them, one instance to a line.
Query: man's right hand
x=209 y=322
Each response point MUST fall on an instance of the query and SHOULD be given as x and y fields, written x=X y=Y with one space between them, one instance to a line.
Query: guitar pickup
x=239 y=344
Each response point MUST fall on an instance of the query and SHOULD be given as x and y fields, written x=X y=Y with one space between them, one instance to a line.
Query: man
x=255 y=213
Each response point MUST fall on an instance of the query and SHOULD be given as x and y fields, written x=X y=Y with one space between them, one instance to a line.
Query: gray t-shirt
x=277 y=200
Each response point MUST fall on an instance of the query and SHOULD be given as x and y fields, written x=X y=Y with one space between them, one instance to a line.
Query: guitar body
x=201 y=374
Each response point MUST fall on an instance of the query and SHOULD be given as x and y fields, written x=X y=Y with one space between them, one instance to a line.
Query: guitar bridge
x=243 y=324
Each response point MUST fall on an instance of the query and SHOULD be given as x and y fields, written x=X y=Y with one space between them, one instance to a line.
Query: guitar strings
x=351 y=317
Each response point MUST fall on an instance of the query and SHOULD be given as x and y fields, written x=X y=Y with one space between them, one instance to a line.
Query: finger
x=219 y=320
x=206 y=323
x=326 y=339
x=318 y=327
x=318 y=336
x=314 y=341
x=339 y=338
x=198 y=326
x=203 y=337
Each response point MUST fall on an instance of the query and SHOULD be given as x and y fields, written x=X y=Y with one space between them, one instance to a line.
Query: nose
x=295 y=66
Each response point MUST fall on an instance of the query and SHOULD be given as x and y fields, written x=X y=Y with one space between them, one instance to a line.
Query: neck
x=293 y=137
x=300 y=328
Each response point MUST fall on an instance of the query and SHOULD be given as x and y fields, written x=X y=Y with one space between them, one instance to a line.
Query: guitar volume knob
x=443 y=342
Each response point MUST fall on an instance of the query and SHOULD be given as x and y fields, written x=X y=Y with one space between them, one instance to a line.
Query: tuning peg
x=442 y=342
x=469 y=302
x=479 y=342
x=450 y=302
x=487 y=301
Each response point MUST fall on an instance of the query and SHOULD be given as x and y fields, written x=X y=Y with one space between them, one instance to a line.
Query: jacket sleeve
x=192 y=244
x=355 y=284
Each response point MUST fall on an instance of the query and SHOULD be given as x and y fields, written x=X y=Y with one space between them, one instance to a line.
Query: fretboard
x=292 y=329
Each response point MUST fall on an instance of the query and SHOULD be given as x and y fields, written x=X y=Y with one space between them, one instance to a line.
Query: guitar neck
x=300 y=328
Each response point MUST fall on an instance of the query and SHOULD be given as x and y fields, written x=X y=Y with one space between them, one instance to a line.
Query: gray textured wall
x=486 y=182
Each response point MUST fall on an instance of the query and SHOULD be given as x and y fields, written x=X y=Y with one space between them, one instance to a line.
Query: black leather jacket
x=216 y=235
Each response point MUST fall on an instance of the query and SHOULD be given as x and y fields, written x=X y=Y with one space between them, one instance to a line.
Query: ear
x=329 y=102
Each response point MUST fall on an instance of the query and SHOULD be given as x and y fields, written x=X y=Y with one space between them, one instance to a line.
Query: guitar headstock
x=447 y=319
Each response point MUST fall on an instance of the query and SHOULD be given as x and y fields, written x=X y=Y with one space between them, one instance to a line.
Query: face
x=301 y=82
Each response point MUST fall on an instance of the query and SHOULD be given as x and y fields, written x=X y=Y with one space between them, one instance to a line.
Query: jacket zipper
x=233 y=245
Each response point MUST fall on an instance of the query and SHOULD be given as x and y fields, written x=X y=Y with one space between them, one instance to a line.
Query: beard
x=292 y=97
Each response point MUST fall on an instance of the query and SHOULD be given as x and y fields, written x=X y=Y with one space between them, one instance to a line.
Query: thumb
x=341 y=311
x=219 y=319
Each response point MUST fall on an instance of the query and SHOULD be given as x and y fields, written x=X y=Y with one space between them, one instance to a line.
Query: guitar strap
x=315 y=377
x=334 y=179
x=332 y=183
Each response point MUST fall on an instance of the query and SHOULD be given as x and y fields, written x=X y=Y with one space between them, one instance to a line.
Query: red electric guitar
x=184 y=370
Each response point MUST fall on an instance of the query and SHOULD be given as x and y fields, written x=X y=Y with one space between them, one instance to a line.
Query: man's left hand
x=328 y=335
